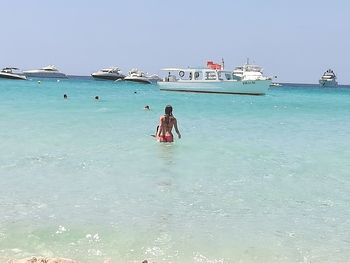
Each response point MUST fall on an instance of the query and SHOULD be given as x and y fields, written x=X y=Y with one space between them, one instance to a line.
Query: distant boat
x=112 y=73
x=275 y=84
x=213 y=79
x=45 y=72
x=10 y=73
x=249 y=72
x=136 y=75
x=328 y=79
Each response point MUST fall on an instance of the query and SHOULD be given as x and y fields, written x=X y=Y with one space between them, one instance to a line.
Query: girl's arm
x=160 y=127
x=177 y=129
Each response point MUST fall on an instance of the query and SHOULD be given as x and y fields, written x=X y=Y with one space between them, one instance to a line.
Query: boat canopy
x=176 y=69
x=195 y=69
x=10 y=68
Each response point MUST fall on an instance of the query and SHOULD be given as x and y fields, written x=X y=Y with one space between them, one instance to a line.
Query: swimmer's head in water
x=97 y=97
x=168 y=110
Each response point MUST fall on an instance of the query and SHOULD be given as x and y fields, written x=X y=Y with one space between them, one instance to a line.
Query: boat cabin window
x=228 y=76
x=225 y=76
x=210 y=75
x=195 y=75
x=198 y=75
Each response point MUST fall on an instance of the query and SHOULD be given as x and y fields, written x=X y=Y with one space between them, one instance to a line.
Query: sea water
x=253 y=178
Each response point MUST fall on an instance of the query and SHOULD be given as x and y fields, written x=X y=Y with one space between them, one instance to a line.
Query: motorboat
x=11 y=73
x=249 y=72
x=275 y=84
x=45 y=72
x=112 y=73
x=136 y=75
x=328 y=79
x=212 y=79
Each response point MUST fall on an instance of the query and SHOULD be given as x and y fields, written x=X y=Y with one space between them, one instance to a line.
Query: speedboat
x=275 y=84
x=249 y=72
x=139 y=76
x=45 y=72
x=112 y=73
x=10 y=73
x=328 y=79
x=212 y=79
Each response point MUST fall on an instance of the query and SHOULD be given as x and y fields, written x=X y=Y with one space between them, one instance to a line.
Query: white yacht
x=112 y=73
x=210 y=80
x=45 y=72
x=11 y=73
x=249 y=72
x=139 y=76
x=328 y=79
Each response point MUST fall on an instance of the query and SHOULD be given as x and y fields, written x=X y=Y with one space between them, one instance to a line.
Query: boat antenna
x=223 y=63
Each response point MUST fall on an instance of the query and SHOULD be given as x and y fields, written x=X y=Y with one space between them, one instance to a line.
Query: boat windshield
x=49 y=68
x=253 y=68
x=110 y=70
x=9 y=70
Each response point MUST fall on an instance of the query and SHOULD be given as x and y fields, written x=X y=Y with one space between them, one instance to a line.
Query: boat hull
x=12 y=76
x=45 y=75
x=139 y=80
x=251 y=87
x=107 y=76
x=328 y=83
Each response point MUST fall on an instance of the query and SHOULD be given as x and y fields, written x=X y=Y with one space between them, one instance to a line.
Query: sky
x=295 y=40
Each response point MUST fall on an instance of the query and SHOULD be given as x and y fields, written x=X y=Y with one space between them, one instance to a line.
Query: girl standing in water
x=166 y=124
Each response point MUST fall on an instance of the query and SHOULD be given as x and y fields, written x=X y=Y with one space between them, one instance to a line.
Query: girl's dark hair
x=168 y=113
x=168 y=110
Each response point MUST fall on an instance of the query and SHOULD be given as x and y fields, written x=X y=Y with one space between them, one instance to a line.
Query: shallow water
x=254 y=179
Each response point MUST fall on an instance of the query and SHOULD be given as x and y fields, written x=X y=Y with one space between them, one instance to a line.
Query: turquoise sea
x=253 y=179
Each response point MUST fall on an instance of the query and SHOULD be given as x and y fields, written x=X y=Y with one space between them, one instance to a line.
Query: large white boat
x=328 y=79
x=136 y=75
x=45 y=72
x=112 y=73
x=211 y=80
x=249 y=72
x=11 y=73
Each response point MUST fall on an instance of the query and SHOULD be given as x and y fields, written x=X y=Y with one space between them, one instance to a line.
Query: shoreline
x=39 y=259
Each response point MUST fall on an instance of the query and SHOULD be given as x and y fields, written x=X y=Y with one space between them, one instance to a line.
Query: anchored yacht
x=328 y=79
x=139 y=76
x=45 y=72
x=249 y=72
x=112 y=73
x=11 y=73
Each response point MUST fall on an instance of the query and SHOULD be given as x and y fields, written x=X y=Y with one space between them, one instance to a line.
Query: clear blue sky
x=295 y=40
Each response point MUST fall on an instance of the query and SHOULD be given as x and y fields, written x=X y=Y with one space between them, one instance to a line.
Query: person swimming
x=97 y=97
x=166 y=124
x=65 y=96
x=146 y=107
